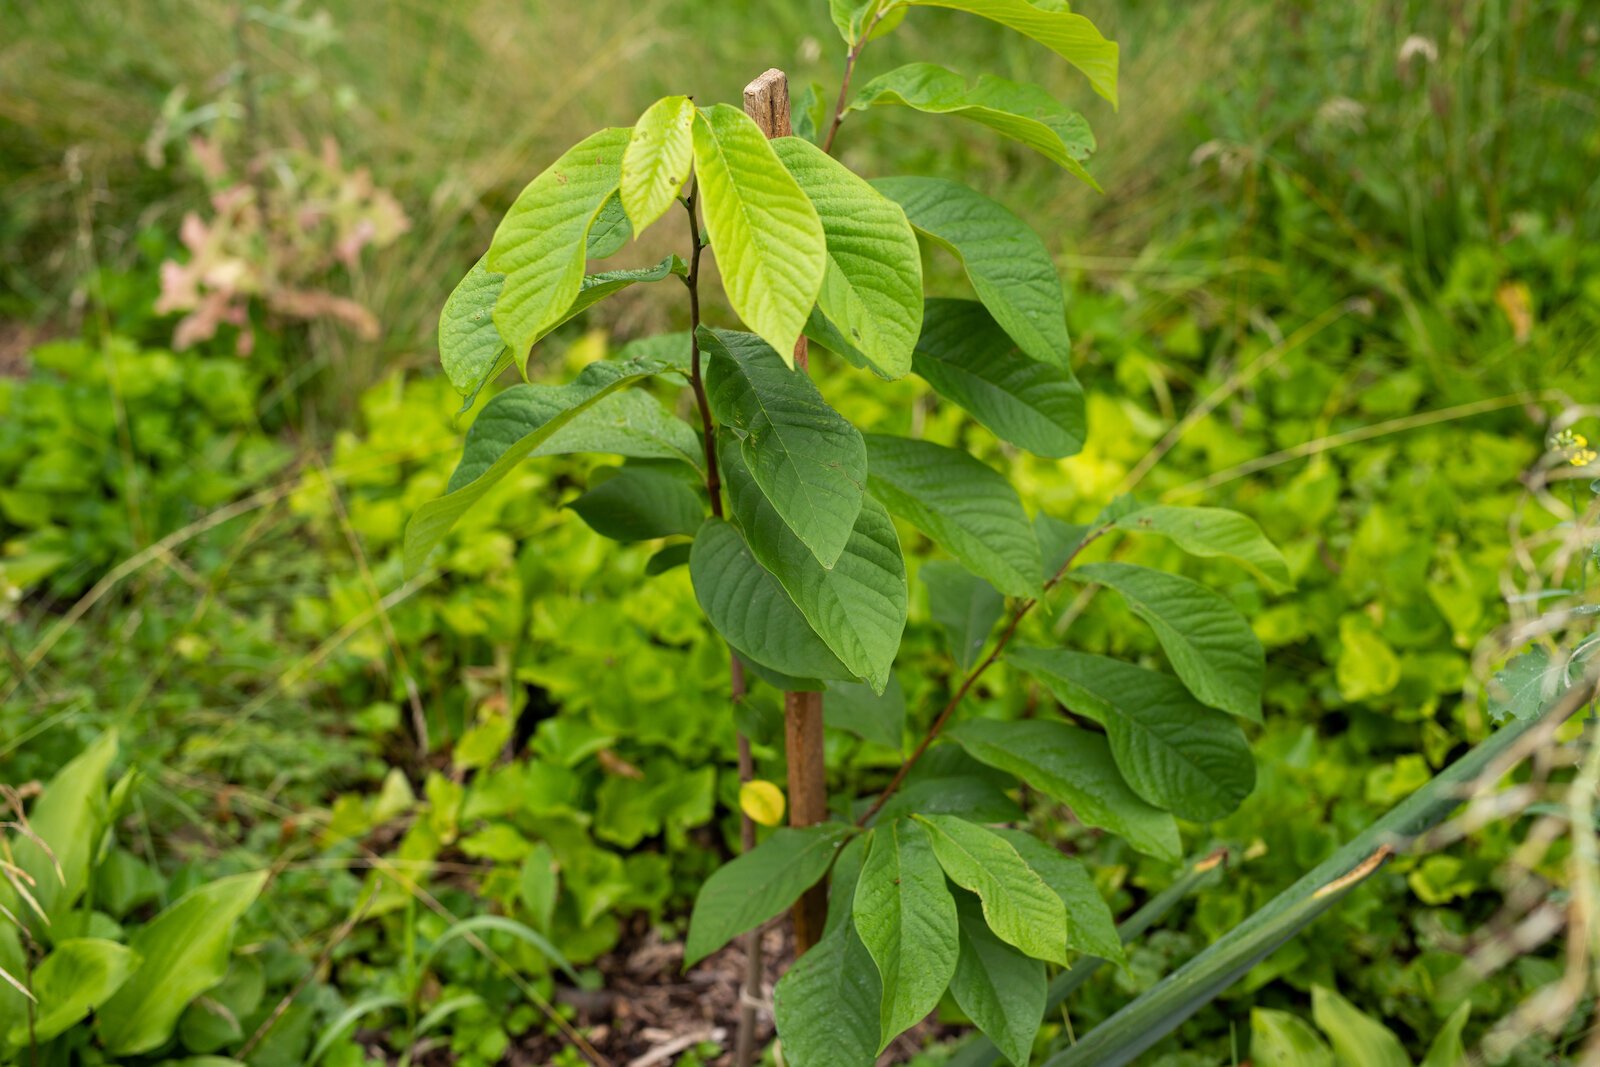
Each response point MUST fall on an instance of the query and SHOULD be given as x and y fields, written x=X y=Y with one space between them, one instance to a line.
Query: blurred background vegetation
x=1345 y=277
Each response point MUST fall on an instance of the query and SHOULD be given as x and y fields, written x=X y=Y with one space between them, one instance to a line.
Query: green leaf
x=185 y=952
x=539 y=884
x=214 y=1020
x=766 y=235
x=69 y=818
x=1025 y=113
x=763 y=882
x=1524 y=685
x=1446 y=1049
x=479 y=924
x=542 y=243
x=1279 y=1039
x=629 y=423
x=859 y=607
x=641 y=504
x=854 y=18
x=810 y=463
x=1008 y=265
x=879 y=717
x=507 y=431
x=826 y=1006
x=470 y=348
x=677 y=555
x=1072 y=37
x=974 y=799
x=968 y=359
x=1017 y=905
x=907 y=919
x=1058 y=541
x=966 y=506
x=1091 y=928
x=656 y=162
x=872 y=290
x=76 y=978
x=1000 y=990
x=1075 y=767
x=750 y=609
x=1175 y=752
x=1210 y=644
x=610 y=229
x=964 y=606
x=1211 y=532
x=1358 y=1039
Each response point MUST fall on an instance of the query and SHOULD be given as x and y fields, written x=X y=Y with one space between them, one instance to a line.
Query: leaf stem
x=844 y=84
x=696 y=381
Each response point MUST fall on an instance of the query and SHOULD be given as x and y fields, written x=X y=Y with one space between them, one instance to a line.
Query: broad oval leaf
x=809 y=462
x=640 y=504
x=629 y=423
x=1008 y=265
x=767 y=237
x=656 y=162
x=1001 y=990
x=968 y=359
x=542 y=243
x=1212 y=532
x=1018 y=906
x=872 y=290
x=1072 y=37
x=76 y=978
x=752 y=888
x=1356 y=1036
x=1210 y=644
x=826 y=1006
x=1090 y=926
x=1025 y=113
x=907 y=919
x=964 y=606
x=68 y=817
x=966 y=506
x=1175 y=752
x=1279 y=1039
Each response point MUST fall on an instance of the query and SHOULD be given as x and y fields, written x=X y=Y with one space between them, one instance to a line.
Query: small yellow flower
x=1566 y=440
x=1584 y=456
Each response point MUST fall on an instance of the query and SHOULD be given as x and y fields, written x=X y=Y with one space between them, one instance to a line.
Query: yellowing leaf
x=762 y=801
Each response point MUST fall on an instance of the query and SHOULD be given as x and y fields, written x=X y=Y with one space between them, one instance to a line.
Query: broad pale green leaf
x=872 y=290
x=879 y=717
x=629 y=423
x=1446 y=1049
x=1090 y=926
x=750 y=609
x=1210 y=644
x=1072 y=37
x=1008 y=265
x=858 y=18
x=858 y=607
x=68 y=817
x=1075 y=767
x=1210 y=532
x=907 y=919
x=77 y=977
x=767 y=237
x=1279 y=1039
x=1175 y=752
x=968 y=359
x=751 y=889
x=1357 y=1037
x=1018 y=906
x=809 y=462
x=966 y=506
x=1025 y=113
x=1527 y=682
x=964 y=606
x=185 y=952
x=542 y=243
x=826 y=1006
x=1001 y=990
x=639 y=504
x=656 y=162
x=507 y=431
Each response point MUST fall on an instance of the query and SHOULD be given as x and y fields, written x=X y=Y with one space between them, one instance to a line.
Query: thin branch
x=844 y=83
x=696 y=381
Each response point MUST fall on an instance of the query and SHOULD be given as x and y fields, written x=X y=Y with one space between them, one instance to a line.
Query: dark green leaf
x=1090 y=927
x=964 y=606
x=629 y=423
x=879 y=717
x=1001 y=990
x=641 y=504
x=826 y=1006
x=1214 y=532
x=668 y=558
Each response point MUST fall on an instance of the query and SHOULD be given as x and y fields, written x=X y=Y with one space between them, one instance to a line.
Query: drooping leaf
x=872 y=290
x=754 y=887
x=68 y=817
x=610 y=229
x=809 y=462
x=1025 y=113
x=76 y=978
x=1075 y=767
x=1446 y=1049
x=968 y=359
x=542 y=243
x=1357 y=1037
x=1210 y=644
x=766 y=235
x=966 y=506
x=672 y=556
x=1175 y=752
x=964 y=606
x=1279 y=1039
x=656 y=162
x=1070 y=36
x=826 y=1006
x=1210 y=532
x=879 y=717
x=1018 y=906
x=1008 y=265
x=1001 y=990
x=629 y=423
x=640 y=504
x=1091 y=928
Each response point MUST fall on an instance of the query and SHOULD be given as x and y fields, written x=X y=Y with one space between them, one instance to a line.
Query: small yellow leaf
x=762 y=801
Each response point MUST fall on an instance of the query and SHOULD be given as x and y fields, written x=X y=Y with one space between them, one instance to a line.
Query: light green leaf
x=746 y=892
x=907 y=919
x=810 y=463
x=750 y=609
x=859 y=607
x=542 y=243
x=345 y=1020
x=629 y=423
x=1025 y=113
x=1279 y=1039
x=879 y=717
x=481 y=924
x=1090 y=926
x=1007 y=263
x=507 y=431
x=1002 y=991
x=185 y=952
x=826 y=1006
x=610 y=229
x=1358 y=1039
x=1072 y=37
x=1018 y=906
x=539 y=883
x=1446 y=1049
x=966 y=506
x=1367 y=665
x=1175 y=752
x=968 y=359
x=71 y=982
x=964 y=606
x=212 y=1021
x=1210 y=532
x=856 y=18
x=766 y=235
x=640 y=504
x=1210 y=644
x=68 y=817
x=872 y=290
x=1075 y=767
x=656 y=162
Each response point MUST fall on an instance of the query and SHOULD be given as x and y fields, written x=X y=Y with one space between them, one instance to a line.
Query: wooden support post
x=766 y=100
